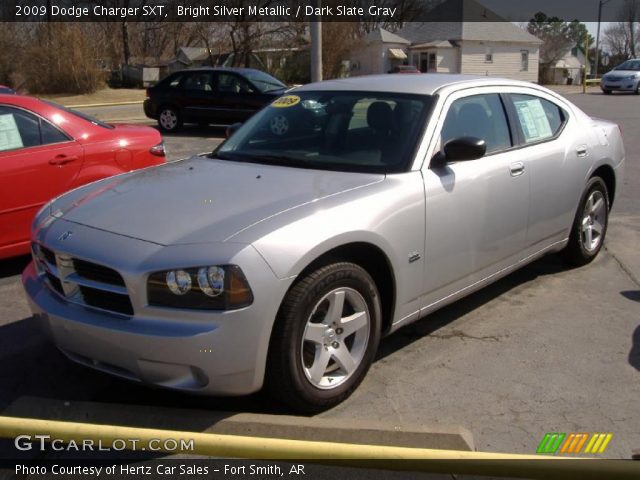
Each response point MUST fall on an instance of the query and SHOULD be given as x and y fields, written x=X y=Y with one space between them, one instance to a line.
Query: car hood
x=621 y=73
x=200 y=200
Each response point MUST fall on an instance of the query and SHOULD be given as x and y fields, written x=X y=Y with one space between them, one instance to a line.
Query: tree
x=558 y=38
x=629 y=16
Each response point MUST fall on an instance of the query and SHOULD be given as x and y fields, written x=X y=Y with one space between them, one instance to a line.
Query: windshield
x=346 y=131
x=81 y=115
x=265 y=82
x=629 y=65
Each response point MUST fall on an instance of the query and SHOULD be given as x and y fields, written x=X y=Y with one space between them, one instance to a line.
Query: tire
x=606 y=92
x=169 y=119
x=315 y=361
x=585 y=240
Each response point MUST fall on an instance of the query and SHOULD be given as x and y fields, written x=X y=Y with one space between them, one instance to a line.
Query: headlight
x=215 y=287
x=630 y=77
x=178 y=281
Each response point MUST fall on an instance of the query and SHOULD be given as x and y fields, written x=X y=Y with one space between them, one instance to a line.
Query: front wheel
x=590 y=224
x=325 y=337
x=606 y=92
x=169 y=119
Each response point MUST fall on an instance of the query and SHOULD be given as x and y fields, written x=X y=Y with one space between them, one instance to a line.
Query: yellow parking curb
x=397 y=458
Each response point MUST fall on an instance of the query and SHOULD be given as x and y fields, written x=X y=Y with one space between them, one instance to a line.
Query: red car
x=46 y=149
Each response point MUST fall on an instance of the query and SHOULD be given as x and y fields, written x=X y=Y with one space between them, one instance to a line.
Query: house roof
x=476 y=22
x=436 y=44
x=195 y=53
x=385 y=36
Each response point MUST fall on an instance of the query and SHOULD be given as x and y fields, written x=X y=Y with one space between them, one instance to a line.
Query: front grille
x=107 y=300
x=55 y=283
x=83 y=282
x=98 y=273
x=48 y=255
x=613 y=79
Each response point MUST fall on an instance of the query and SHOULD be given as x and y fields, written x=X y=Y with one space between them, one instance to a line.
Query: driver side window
x=481 y=116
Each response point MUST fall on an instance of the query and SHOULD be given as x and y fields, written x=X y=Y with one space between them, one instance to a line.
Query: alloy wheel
x=593 y=221
x=335 y=338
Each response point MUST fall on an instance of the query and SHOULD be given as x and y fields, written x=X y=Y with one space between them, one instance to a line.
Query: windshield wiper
x=257 y=158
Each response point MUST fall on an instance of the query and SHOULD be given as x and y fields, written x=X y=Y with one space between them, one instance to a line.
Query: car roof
x=425 y=84
x=31 y=103
x=222 y=69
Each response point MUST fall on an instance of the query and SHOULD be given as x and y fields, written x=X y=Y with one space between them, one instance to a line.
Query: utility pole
x=600 y=4
x=316 y=42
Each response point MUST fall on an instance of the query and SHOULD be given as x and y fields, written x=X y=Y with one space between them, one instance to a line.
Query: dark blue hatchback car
x=220 y=96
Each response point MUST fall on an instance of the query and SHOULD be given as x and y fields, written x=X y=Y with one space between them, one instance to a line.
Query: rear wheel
x=325 y=338
x=169 y=119
x=590 y=224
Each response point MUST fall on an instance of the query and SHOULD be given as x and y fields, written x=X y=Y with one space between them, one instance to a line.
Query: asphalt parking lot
x=547 y=349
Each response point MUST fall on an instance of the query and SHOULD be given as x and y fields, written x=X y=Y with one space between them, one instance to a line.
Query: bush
x=60 y=60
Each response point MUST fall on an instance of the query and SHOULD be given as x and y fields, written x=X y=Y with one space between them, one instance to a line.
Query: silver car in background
x=341 y=212
x=623 y=78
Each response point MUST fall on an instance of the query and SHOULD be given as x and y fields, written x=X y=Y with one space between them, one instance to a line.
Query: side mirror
x=231 y=129
x=461 y=149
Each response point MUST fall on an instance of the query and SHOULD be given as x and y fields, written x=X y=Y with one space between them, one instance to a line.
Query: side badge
x=65 y=236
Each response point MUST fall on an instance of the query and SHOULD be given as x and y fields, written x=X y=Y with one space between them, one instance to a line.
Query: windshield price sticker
x=286 y=101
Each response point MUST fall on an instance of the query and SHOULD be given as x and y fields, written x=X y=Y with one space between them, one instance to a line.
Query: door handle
x=581 y=151
x=516 y=169
x=62 y=160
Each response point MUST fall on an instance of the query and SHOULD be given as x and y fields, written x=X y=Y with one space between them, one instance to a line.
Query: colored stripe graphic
x=551 y=442
x=572 y=443
x=598 y=443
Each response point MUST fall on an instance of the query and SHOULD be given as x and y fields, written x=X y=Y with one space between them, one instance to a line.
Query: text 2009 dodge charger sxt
x=337 y=214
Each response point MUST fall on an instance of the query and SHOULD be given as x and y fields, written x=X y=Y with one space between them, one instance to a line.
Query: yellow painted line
x=110 y=104
x=235 y=446
x=327 y=453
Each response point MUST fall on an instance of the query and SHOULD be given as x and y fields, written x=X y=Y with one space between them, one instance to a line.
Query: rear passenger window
x=173 y=82
x=539 y=119
x=19 y=129
x=51 y=134
x=480 y=116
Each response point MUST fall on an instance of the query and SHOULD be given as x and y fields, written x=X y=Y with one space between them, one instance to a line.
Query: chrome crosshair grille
x=83 y=282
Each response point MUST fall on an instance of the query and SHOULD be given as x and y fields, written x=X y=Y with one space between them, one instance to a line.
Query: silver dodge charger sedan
x=341 y=212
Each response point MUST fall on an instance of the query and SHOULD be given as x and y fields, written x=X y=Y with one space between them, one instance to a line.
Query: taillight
x=158 y=150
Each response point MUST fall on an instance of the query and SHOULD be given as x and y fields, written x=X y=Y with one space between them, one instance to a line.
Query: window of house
x=488 y=55
x=480 y=116
x=539 y=119
x=432 y=67
x=524 y=60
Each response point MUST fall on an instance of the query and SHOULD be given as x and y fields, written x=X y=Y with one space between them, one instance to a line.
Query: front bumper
x=208 y=352
x=620 y=85
x=150 y=109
